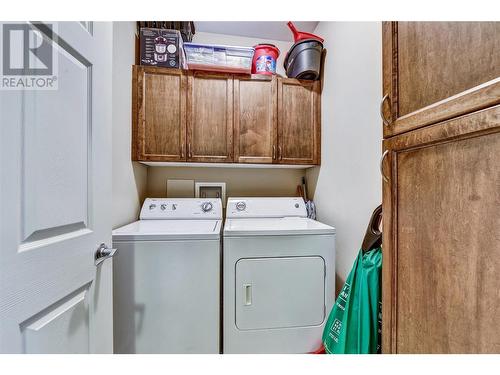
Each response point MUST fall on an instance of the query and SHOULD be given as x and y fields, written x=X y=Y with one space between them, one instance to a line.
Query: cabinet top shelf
x=253 y=77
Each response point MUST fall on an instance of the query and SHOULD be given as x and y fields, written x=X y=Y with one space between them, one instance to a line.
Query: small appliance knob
x=163 y=207
x=207 y=206
x=152 y=206
x=240 y=206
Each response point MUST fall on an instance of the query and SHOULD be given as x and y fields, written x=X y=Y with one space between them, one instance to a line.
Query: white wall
x=347 y=186
x=129 y=178
x=245 y=182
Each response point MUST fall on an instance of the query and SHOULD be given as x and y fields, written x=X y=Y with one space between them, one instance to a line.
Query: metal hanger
x=373 y=235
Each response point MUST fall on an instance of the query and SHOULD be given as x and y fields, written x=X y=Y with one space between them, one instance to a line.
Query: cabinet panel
x=161 y=127
x=298 y=121
x=210 y=117
x=438 y=70
x=255 y=120
x=442 y=239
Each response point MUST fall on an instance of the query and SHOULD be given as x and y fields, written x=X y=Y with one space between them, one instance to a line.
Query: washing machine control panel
x=181 y=208
x=265 y=207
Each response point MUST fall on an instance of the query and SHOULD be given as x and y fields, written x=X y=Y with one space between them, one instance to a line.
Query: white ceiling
x=261 y=29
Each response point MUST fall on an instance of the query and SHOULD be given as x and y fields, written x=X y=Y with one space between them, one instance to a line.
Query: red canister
x=264 y=59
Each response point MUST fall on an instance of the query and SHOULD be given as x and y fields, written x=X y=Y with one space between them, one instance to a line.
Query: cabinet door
x=160 y=132
x=441 y=237
x=255 y=120
x=434 y=71
x=210 y=117
x=298 y=121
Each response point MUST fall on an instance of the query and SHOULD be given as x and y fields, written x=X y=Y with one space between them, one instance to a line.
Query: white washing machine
x=279 y=276
x=166 y=278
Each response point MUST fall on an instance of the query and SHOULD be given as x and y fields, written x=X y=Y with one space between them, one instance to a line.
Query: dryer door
x=280 y=292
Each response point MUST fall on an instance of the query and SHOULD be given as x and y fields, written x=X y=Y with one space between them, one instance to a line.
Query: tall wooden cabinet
x=438 y=70
x=195 y=116
x=441 y=189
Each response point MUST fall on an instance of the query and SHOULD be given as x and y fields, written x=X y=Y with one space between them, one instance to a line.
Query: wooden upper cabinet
x=434 y=71
x=255 y=119
x=210 y=117
x=299 y=126
x=441 y=239
x=159 y=126
x=206 y=117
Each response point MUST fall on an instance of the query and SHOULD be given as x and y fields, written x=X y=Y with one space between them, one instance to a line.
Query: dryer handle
x=247 y=292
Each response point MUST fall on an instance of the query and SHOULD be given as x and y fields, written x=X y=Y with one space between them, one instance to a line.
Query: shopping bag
x=354 y=324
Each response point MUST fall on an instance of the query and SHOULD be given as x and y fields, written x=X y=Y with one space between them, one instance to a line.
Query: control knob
x=207 y=206
x=240 y=206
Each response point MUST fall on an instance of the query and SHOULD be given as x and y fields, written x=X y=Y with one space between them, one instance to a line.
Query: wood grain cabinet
x=159 y=106
x=255 y=120
x=441 y=191
x=433 y=71
x=299 y=126
x=194 y=116
x=210 y=117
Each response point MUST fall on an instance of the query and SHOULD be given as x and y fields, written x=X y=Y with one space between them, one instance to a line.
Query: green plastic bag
x=354 y=324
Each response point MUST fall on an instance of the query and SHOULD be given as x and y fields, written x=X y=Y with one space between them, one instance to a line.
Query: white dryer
x=166 y=278
x=279 y=276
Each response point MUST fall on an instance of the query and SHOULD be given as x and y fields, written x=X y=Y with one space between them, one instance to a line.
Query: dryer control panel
x=266 y=207
x=181 y=208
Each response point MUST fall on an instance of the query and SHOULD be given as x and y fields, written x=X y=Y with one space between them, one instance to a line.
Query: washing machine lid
x=169 y=230
x=275 y=227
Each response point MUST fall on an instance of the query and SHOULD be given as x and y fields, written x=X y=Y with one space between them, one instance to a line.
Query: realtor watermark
x=28 y=57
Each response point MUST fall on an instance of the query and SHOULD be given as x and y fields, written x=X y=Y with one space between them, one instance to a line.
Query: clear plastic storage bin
x=219 y=58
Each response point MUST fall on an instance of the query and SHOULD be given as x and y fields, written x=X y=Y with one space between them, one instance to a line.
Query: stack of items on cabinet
x=165 y=47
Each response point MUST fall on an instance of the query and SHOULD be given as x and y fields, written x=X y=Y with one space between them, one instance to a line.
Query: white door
x=55 y=200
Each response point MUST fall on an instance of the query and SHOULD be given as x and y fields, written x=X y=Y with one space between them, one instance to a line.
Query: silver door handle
x=382 y=165
x=102 y=253
x=384 y=120
x=274 y=152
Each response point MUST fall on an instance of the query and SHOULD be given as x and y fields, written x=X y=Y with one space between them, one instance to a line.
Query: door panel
x=441 y=239
x=255 y=120
x=270 y=295
x=70 y=316
x=55 y=184
x=162 y=114
x=298 y=121
x=210 y=117
x=55 y=180
x=438 y=70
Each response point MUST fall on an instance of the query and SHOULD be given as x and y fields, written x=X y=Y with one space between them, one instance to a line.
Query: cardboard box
x=162 y=47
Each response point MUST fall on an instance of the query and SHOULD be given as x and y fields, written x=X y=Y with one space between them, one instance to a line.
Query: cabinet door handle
x=274 y=152
x=190 y=155
x=182 y=152
x=280 y=156
x=384 y=120
x=382 y=165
